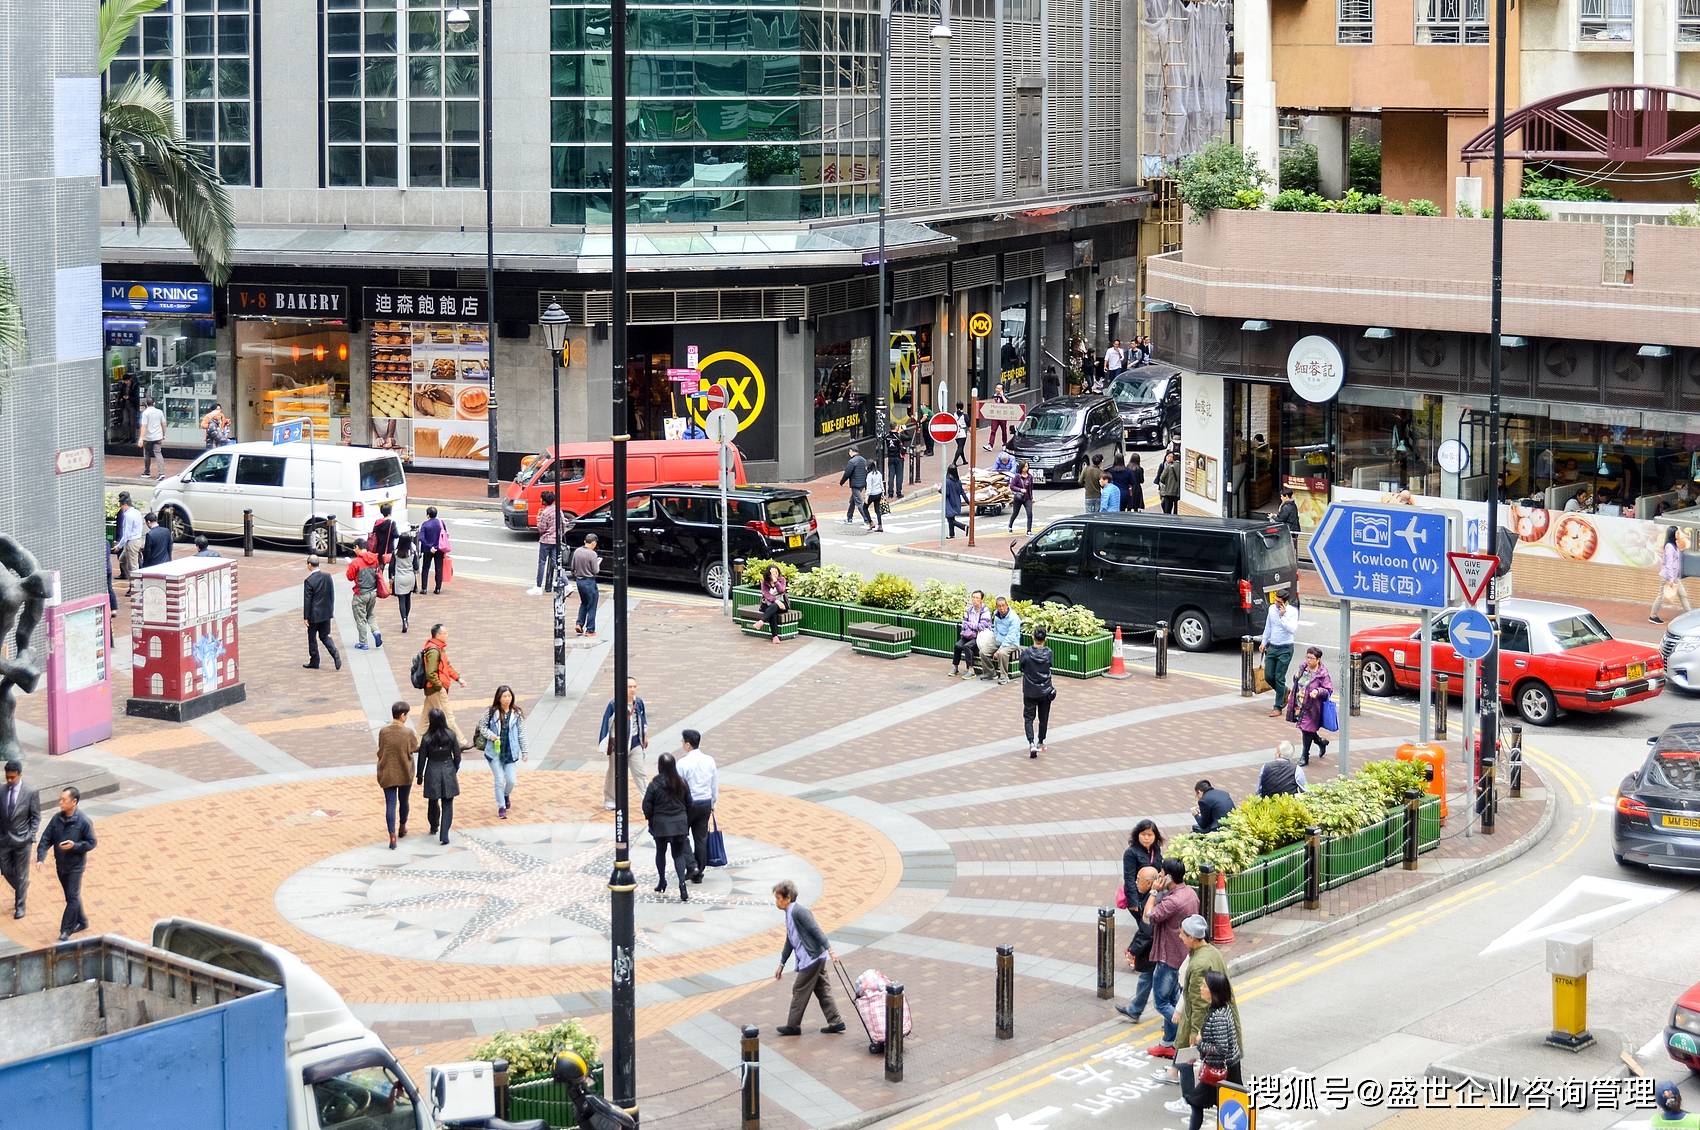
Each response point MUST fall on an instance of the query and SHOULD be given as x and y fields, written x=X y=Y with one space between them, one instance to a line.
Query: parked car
x=1208 y=578
x=587 y=474
x=1681 y=651
x=1682 y=1034
x=1553 y=657
x=674 y=532
x=1149 y=400
x=1058 y=436
x=291 y=488
x=1657 y=822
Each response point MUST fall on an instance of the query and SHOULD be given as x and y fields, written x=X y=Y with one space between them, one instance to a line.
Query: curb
x=947 y=555
x=1305 y=938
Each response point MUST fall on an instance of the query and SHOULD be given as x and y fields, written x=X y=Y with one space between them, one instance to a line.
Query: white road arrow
x=1596 y=898
x=1034 y=1121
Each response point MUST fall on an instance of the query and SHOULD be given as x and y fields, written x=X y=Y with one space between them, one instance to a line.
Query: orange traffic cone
x=1118 y=664
x=1224 y=926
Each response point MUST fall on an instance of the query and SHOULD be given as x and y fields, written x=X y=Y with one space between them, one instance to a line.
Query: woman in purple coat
x=1312 y=687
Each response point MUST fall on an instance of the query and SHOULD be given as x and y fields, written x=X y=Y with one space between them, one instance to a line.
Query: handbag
x=716 y=845
x=384 y=590
x=1259 y=681
x=1330 y=715
x=480 y=740
x=1121 y=897
x=1210 y=1075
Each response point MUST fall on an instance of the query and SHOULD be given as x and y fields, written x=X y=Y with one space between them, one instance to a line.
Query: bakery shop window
x=289 y=369
x=430 y=377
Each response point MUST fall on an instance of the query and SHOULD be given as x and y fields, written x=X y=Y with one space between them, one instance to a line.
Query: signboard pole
x=1345 y=680
x=1470 y=679
x=725 y=538
x=944 y=493
x=973 y=459
x=1425 y=699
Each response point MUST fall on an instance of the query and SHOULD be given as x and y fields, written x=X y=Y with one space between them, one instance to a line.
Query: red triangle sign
x=1473 y=571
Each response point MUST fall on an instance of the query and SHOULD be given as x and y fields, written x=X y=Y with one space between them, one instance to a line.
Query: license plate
x=1015 y=576
x=1688 y=823
x=1637 y=670
x=794 y=540
x=1038 y=476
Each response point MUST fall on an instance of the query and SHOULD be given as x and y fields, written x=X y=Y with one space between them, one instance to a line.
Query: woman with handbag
x=501 y=737
x=666 y=805
x=1313 y=692
x=774 y=602
x=1670 y=578
x=404 y=576
x=438 y=771
x=1219 y=1050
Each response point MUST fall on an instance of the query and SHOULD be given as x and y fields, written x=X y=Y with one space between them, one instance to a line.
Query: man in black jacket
x=805 y=938
x=1213 y=804
x=20 y=820
x=318 y=608
x=71 y=836
x=156 y=543
x=1281 y=776
x=1288 y=514
x=856 y=475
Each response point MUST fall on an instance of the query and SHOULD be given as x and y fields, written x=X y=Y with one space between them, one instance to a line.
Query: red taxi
x=1553 y=657
x=1682 y=1034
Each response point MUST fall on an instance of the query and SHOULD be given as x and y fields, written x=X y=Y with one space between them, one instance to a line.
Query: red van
x=587 y=474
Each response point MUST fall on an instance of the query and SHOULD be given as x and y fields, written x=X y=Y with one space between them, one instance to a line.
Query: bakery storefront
x=160 y=342
x=430 y=368
x=292 y=359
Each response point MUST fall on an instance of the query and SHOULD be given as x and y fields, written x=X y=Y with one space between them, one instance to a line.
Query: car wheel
x=714 y=578
x=1536 y=705
x=178 y=523
x=1377 y=676
x=318 y=539
x=1191 y=631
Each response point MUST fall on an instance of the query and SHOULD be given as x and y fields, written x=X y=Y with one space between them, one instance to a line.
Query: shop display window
x=286 y=370
x=1387 y=441
x=431 y=392
x=173 y=361
x=1013 y=369
x=843 y=404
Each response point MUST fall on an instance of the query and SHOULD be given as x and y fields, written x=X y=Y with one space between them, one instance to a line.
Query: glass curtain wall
x=739 y=110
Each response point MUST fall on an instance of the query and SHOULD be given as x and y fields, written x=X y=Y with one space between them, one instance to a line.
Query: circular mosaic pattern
x=529 y=895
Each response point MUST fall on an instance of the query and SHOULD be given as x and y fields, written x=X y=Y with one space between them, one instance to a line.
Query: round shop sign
x=1453 y=457
x=1315 y=369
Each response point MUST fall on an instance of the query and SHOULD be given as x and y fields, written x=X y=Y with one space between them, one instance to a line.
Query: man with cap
x=1202 y=958
x=1668 y=1112
x=1171 y=902
x=318 y=609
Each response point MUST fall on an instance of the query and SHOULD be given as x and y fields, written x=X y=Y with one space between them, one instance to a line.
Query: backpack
x=416 y=674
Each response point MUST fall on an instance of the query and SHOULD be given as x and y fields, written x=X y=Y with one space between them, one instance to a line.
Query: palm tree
x=139 y=137
x=11 y=319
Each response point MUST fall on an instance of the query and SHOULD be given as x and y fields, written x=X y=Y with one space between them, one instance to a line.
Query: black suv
x=673 y=532
x=1058 y=436
x=1149 y=400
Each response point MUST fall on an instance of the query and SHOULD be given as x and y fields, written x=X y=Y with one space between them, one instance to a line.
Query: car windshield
x=1046 y=422
x=528 y=473
x=1579 y=631
x=1136 y=391
x=1676 y=769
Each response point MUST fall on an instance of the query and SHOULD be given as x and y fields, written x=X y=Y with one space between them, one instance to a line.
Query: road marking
x=1035 y=1120
x=496 y=544
x=1619 y=896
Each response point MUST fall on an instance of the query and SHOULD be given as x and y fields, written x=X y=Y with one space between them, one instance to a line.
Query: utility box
x=1570 y=955
x=183 y=640
x=463 y=1090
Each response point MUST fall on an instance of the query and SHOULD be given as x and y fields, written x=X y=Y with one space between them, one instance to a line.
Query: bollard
x=1207 y=901
x=1487 y=796
x=1515 y=770
x=1356 y=700
x=1248 y=650
x=1413 y=806
x=1440 y=703
x=247 y=533
x=499 y=1081
x=1106 y=953
x=330 y=539
x=752 y=1078
x=894 y=1033
x=1160 y=664
x=1006 y=993
x=1313 y=869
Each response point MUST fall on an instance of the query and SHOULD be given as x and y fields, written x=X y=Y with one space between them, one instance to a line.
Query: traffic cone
x=1224 y=928
x=1118 y=663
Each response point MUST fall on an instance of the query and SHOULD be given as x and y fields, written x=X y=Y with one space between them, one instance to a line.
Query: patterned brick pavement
x=933 y=836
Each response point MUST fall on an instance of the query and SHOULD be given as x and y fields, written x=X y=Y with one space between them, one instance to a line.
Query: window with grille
x=1355 y=22
x=1453 y=21
x=1292 y=128
x=1688 y=21
x=402 y=96
x=1606 y=21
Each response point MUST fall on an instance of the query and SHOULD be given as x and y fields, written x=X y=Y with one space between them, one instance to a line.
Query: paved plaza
x=901 y=802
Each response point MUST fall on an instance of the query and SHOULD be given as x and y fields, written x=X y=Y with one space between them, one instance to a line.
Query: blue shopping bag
x=1330 y=716
x=716 y=846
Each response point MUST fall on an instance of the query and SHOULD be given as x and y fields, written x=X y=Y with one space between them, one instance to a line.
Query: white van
x=291 y=488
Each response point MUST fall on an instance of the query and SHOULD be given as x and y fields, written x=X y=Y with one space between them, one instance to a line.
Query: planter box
x=1345 y=858
x=1080 y=658
x=932 y=637
x=856 y=614
x=1394 y=844
x=744 y=596
x=1274 y=881
x=547 y=1099
x=1428 y=824
x=822 y=618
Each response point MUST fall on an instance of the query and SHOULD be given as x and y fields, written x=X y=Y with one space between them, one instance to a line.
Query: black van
x=1208 y=577
x=1057 y=437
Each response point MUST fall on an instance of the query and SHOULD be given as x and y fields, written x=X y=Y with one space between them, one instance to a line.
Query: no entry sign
x=714 y=396
x=942 y=427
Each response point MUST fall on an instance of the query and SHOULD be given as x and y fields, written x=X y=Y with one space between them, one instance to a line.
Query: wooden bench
x=751 y=624
x=888 y=641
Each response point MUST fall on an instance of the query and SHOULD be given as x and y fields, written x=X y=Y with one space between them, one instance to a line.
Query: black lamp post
x=457 y=21
x=1488 y=685
x=554 y=323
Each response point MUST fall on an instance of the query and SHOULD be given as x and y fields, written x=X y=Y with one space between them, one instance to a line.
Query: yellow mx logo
x=745 y=394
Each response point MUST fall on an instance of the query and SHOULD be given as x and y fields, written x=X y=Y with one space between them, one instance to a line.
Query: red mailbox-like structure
x=183 y=640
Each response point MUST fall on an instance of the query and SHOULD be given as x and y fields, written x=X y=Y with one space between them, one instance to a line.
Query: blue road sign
x=287 y=432
x=1471 y=634
x=1384 y=554
x=1232 y=1116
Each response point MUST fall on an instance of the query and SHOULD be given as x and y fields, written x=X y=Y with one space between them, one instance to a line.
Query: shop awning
x=843 y=245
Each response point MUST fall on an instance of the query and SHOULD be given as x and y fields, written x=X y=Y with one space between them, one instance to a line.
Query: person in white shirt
x=876 y=498
x=1114 y=360
x=702 y=778
x=150 y=434
x=1280 y=630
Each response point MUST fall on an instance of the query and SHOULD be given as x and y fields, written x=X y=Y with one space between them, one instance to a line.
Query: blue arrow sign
x=1232 y=1116
x=288 y=432
x=1384 y=554
x=1471 y=634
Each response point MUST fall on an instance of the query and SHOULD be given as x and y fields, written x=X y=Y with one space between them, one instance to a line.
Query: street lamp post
x=1496 y=351
x=458 y=20
x=554 y=322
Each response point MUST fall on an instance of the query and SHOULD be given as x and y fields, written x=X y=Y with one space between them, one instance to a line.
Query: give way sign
x=1472 y=571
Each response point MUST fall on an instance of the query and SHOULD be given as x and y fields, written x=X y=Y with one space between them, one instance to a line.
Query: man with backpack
x=367 y=573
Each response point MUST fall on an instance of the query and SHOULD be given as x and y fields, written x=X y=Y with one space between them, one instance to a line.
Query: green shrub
x=1356 y=203
x=112 y=504
x=1298 y=200
x=1300 y=171
x=829 y=582
x=1537 y=187
x=755 y=567
x=1421 y=207
x=1343 y=805
x=1270 y=822
x=1221 y=175
x=1077 y=621
x=1686 y=217
x=939 y=601
x=887 y=590
x=531 y=1055
x=1228 y=850
x=1363 y=163
x=1392 y=778
x=1526 y=210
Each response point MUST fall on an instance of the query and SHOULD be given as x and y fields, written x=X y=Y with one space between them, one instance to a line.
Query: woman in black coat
x=666 y=806
x=438 y=769
x=1144 y=849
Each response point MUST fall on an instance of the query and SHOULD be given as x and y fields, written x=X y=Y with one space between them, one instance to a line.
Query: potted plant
x=820 y=595
x=532 y=1091
x=882 y=600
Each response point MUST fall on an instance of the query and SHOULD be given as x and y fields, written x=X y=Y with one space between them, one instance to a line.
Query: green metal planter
x=823 y=618
x=1353 y=856
x=932 y=637
x=1079 y=658
x=1276 y=880
x=547 y=1099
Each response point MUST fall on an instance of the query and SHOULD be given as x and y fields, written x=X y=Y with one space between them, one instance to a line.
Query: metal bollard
x=1487 y=798
x=1356 y=699
x=752 y=1078
x=1515 y=770
x=1413 y=808
x=1006 y=993
x=247 y=533
x=1106 y=953
x=1313 y=869
x=1160 y=663
x=499 y=1081
x=894 y=1033
x=1248 y=651
x=1207 y=901
x=330 y=530
x=1441 y=701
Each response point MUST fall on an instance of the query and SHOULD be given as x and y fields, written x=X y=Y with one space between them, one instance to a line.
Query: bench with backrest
x=751 y=624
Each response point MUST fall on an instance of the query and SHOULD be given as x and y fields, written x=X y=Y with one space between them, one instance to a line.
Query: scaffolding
x=1184 y=72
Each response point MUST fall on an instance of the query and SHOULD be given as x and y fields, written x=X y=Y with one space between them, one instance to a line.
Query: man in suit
x=318 y=608
x=20 y=820
x=804 y=937
x=156 y=543
x=71 y=836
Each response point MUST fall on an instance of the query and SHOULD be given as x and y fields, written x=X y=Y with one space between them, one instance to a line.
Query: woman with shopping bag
x=1310 y=702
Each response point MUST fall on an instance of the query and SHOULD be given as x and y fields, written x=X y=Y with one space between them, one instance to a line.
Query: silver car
x=1681 y=649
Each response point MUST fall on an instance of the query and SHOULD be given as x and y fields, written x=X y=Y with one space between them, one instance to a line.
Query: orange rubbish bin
x=1433 y=755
